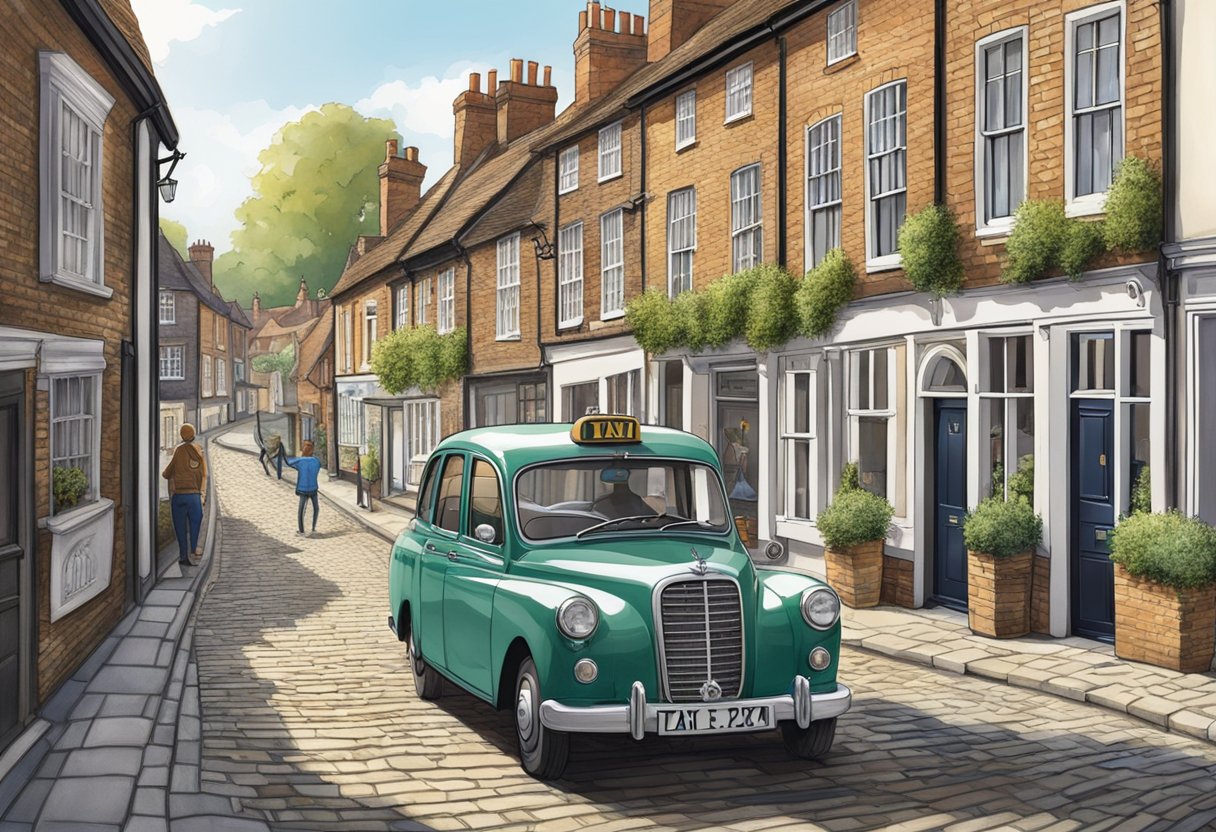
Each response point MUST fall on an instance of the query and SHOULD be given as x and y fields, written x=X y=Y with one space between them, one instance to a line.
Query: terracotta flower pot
x=856 y=573
x=1161 y=625
x=998 y=594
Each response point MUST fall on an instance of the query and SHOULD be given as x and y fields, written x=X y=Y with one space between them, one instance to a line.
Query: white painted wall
x=1195 y=71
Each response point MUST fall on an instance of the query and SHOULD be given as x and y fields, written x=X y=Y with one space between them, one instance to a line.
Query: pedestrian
x=307 y=468
x=273 y=452
x=187 y=476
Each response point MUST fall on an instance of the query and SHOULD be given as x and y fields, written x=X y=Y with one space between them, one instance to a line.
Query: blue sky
x=235 y=71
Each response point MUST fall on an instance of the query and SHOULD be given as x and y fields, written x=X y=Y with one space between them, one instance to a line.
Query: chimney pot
x=474 y=82
x=492 y=81
x=517 y=70
x=548 y=75
x=390 y=149
x=582 y=20
x=411 y=154
x=609 y=20
x=639 y=24
x=532 y=67
x=597 y=19
x=626 y=23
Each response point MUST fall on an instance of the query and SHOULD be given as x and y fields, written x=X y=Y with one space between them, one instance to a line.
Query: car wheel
x=809 y=743
x=543 y=752
x=427 y=681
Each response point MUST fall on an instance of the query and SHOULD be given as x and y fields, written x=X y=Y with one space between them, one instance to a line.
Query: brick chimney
x=523 y=106
x=257 y=307
x=672 y=22
x=605 y=55
x=302 y=295
x=202 y=255
x=476 y=120
x=400 y=185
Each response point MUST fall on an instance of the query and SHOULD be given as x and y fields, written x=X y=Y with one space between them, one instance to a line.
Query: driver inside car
x=621 y=501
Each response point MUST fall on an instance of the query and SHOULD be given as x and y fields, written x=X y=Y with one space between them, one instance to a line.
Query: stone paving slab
x=1073 y=668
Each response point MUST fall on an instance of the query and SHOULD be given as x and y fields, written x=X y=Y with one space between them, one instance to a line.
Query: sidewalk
x=386 y=521
x=1075 y=668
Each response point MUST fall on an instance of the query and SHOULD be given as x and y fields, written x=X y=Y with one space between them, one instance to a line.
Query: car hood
x=630 y=568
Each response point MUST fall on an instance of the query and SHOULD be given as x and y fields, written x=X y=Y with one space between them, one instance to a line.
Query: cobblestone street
x=309 y=721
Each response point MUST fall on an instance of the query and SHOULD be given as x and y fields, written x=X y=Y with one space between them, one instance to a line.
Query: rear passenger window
x=428 y=491
x=485 y=502
x=447 y=510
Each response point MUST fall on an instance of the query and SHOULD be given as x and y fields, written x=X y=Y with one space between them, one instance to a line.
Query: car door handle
x=452 y=555
x=430 y=547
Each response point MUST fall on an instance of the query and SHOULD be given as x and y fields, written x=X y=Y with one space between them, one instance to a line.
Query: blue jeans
x=187 y=520
x=305 y=498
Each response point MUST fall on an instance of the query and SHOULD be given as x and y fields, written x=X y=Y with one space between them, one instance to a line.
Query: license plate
x=715 y=719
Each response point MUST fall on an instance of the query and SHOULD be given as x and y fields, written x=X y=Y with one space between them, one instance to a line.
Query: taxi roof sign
x=606 y=430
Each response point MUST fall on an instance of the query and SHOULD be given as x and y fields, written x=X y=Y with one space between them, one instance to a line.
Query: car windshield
x=590 y=496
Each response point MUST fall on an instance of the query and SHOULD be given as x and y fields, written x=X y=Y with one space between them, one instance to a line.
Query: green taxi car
x=589 y=577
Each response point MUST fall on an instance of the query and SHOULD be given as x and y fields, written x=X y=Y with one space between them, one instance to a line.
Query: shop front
x=604 y=376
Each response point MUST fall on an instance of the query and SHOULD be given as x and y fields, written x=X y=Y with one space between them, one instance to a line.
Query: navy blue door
x=1092 y=575
x=950 y=504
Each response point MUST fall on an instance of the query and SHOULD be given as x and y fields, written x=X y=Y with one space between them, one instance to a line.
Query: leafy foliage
x=1082 y=243
x=856 y=516
x=317 y=177
x=655 y=322
x=1021 y=481
x=928 y=246
x=850 y=478
x=1142 y=493
x=1133 y=207
x=69 y=484
x=823 y=292
x=320 y=441
x=1034 y=244
x=419 y=357
x=689 y=309
x=1170 y=548
x=1002 y=528
x=771 y=317
x=177 y=236
x=369 y=465
x=275 y=362
x=724 y=315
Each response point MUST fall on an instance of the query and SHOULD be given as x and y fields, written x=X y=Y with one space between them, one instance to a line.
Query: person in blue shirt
x=307 y=468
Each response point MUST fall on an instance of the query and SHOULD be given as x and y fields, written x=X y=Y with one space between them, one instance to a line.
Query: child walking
x=307 y=468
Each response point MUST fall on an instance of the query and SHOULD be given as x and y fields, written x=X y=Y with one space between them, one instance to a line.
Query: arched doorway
x=943 y=384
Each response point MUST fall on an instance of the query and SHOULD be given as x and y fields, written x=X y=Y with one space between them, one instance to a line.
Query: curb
x=1170 y=716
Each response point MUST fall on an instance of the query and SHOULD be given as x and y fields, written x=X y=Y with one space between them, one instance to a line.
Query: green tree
x=177 y=236
x=318 y=177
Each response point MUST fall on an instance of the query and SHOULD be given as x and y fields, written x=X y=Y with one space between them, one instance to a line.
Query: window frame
x=467 y=523
x=221 y=377
x=570 y=275
x=420 y=412
x=507 y=294
x=811 y=256
x=422 y=307
x=850 y=31
x=893 y=260
x=1093 y=203
x=855 y=414
x=63 y=83
x=171 y=306
x=997 y=226
x=746 y=90
x=686 y=118
x=94 y=429
x=690 y=250
x=446 y=318
x=371 y=326
x=612 y=310
x=567 y=163
x=792 y=368
x=401 y=296
x=607 y=175
x=1008 y=399
x=754 y=230
x=348 y=341
x=166 y=358
x=206 y=381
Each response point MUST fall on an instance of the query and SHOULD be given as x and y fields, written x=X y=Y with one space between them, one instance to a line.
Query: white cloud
x=424 y=107
x=165 y=21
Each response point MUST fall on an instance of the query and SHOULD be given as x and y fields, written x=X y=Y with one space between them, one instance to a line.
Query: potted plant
x=369 y=466
x=69 y=485
x=1001 y=536
x=853 y=528
x=1165 y=590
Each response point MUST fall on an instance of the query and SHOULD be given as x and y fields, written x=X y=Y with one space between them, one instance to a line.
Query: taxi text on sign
x=594 y=430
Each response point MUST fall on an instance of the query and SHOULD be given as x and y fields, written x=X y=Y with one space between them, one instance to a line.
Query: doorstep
x=1074 y=668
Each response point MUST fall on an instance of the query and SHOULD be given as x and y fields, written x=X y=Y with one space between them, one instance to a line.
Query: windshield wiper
x=615 y=520
x=702 y=523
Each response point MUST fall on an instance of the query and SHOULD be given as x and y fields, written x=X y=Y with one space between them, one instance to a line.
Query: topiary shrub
x=1002 y=528
x=1170 y=549
x=1133 y=207
x=823 y=292
x=771 y=317
x=1034 y=244
x=69 y=484
x=928 y=246
x=856 y=516
x=850 y=478
x=724 y=310
x=419 y=357
x=656 y=325
x=1142 y=493
x=369 y=465
x=1082 y=244
x=1021 y=481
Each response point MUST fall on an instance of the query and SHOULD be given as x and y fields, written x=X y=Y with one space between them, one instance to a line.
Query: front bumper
x=639 y=718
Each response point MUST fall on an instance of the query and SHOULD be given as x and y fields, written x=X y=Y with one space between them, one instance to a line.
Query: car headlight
x=577 y=618
x=820 y=607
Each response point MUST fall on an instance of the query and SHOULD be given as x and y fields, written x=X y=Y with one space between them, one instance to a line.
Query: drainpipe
x=782 y=151
x=939 y=101
x=468 y=329
x=1167 y=278
x=642 y=230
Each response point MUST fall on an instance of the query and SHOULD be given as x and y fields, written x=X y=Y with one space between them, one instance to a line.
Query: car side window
x=447 y=509
x=485 y=502
x=428 y=491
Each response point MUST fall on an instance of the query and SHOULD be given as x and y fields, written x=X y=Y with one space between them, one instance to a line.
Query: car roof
x=516 y=446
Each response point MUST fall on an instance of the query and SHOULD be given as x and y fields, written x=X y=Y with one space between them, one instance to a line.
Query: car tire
x=543 y=752
x=427 y=681
x=809 y=743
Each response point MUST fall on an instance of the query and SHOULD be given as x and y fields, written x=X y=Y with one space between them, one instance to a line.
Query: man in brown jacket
x=187 y=476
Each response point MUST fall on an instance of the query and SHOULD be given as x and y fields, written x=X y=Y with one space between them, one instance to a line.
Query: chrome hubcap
x=523 y=712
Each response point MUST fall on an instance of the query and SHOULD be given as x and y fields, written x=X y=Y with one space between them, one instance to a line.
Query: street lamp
x=167 y=184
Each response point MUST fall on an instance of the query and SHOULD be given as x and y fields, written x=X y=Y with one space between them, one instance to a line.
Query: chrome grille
x=701 y=636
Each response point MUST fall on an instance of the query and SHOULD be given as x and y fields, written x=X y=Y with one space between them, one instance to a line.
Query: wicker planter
x=856 y=573
x=998 y=594
x=1157 y=624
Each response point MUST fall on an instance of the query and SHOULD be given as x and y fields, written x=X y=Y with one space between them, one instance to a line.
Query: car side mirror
x=485 y=533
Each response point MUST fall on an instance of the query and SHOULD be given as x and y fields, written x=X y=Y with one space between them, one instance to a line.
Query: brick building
x=84 y=119
x=730 y=134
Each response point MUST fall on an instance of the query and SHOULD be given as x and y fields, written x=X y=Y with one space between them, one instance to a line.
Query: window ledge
x=1086 y=206
x=85 y=286
x=69 y=521
x=567 y=191
x=610 y=177
x=612 y=316
x=741 y=117
x=841 y=63
x=514 y=337
x=884 y=264
x=680 y=148
x=572 y=324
